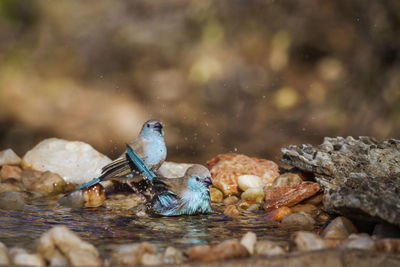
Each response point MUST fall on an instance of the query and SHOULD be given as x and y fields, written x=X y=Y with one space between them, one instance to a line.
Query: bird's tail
x=140 y=164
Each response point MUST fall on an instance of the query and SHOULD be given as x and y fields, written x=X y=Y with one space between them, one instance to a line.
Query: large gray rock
x=360 y=177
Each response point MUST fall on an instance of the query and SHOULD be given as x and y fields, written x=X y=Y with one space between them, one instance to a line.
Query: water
x=106 y=228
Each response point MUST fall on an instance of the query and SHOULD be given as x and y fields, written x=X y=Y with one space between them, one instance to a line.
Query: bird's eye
x=197 y=179
x=148 y=125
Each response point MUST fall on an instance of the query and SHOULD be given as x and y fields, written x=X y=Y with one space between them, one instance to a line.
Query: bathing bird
x=149 y=144
x=187 y=195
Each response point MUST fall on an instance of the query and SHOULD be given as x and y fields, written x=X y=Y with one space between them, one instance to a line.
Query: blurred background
x=241 y=76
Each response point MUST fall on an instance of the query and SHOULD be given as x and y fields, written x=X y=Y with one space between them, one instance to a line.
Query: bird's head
x=152 y=127
x=198 y=183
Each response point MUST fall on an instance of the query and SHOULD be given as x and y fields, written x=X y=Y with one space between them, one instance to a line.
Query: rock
x=20 y=256
x=231 y=200
x=340 y=227
x=289 y=196
x=8 y=157
x=8 y=171
x=9 y=185
x=249 y=181
x=61 y=241
x=47 y=184
x=93 y=196
x=172 y=169
x=301 y=219
x=244 y=204
x=254 y=207
x=311 y=241
x=248 y=241
x=226 y=169
x=287 y=179
x=131 y=254
x=76 y=162
x=255 y=194
x=58 y=259
x=228 y=249
x=278 y=214
x=151 y=259
x=4 y=259
x=12 y=200
x=315 y=200
x=79 y=257
x=307 y=208
x=216 y=195
x=173 y=256
x=355 y=174
x=267 y=248
x=123 y=202
x=358 y=241
x=388 y=245
x=231 y=211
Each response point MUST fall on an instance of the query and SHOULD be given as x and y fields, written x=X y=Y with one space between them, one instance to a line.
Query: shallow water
x=105 y=228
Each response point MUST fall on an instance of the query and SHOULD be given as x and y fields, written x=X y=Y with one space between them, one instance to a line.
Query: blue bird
x=150 y=145
x=176 y=196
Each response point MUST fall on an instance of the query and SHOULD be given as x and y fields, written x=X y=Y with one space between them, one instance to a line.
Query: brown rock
x=287 y=179
x=231 y=200
x=231 y=211
x=289 y=196
x=93 y=196
x=311 y=241
x=314 y=200
x=78 y=257
x=307 y=208
x=4 y=259
x=123 y=202
x=226 y=250
x=226 y=169
x=267 y=248
x=132 y=254
x=10 y=184
x=8 y=171
x=388 y=245
x=48 y=183
x=340 y=227
x=278 y=214
x=173 y=256
x=216 y=195
x=301 y=219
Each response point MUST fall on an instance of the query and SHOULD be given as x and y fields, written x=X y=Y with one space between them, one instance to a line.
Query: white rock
x=131 y=254
x=61 y=240
x=358 y=241
x=173 y=256
x=172 y=169
x=255 y=194
x=340 y=227
x=76 y=162
x=20 y=256
x=4 y=260
x=248 y=241
x=8 y=157
x=249 y=181
x=79 y=257
x=309 y=241
x=267 y=248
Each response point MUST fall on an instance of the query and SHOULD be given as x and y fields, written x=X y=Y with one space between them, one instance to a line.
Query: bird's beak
x=207 y=181
x=158 y=127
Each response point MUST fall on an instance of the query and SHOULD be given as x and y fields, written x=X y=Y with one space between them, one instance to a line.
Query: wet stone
x=289 y=196
x=388 y=245
x=62 y=241
x=123 y=201
x=8 y=157
x=267 y=248
x=355 y=174
x=131 y=254
x=226 y=169
x=287 y=179
x=255 y=194
x=231 y=200
x=228 y=249
x=48 y=183
x=301 y=219
x=9 y=185
x=314 y=200
x=4 y=259
x=309 y=241
x=307 y=208
x=249 y=181
x=340 y=227
x=173 y=256
x=231 y=211
x=76 y=162
x=216 y=195
x=8 y=171
x=93 y=196
x=248 y=241
x=358 y=241
x=278 y=214
x=20 y=256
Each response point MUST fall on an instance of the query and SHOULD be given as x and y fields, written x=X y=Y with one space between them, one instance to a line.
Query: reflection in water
x=105 y=228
